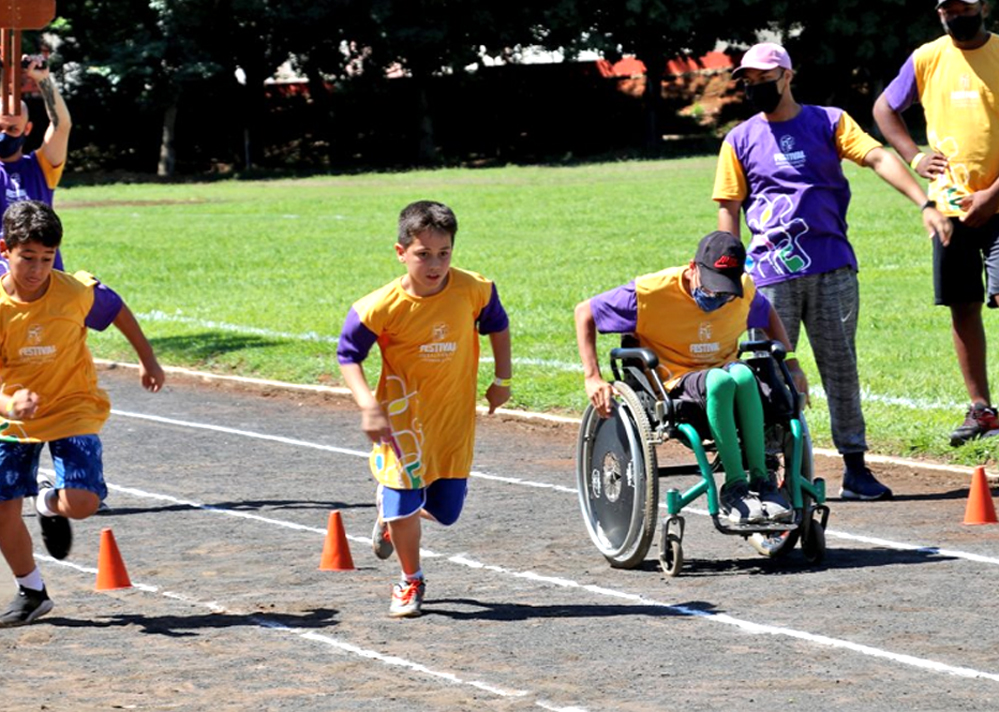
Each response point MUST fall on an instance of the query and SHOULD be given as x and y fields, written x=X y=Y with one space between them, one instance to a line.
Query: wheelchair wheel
x=617 y=480
x=780 y=544
x=670 y=551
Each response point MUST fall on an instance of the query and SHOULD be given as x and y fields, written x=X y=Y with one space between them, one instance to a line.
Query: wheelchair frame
x=619 y=495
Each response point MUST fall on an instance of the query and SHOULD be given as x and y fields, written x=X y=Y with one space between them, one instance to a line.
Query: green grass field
x=255 y=278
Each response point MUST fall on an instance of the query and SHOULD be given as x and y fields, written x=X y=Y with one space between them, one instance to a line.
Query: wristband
x=502 y=382
x=928 y=204
x=916 y=159
x=10 y=408
x=790 y=356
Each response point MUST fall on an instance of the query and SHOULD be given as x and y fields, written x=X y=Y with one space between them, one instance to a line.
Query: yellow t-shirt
x=43 y=347
x=428 y=384
x=957 y=89
x=685 y=337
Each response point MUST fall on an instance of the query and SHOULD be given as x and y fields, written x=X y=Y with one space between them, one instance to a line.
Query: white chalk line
x=872 y=541
x=311 y=635
x=462 y=560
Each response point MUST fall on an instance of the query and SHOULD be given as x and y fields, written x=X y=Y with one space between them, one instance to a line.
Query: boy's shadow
x=186 y=626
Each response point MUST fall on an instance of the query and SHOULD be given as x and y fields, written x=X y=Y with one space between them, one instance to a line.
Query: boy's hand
x=938 y=224
x=152 y=376
x=375 y=424
x=23 y=404
x=497 y=396
x=800 y=382
x=600 y=394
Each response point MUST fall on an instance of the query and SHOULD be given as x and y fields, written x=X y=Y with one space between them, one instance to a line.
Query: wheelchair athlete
x=692 y=318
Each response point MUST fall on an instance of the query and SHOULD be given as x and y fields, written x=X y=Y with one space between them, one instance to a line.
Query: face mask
x=764 y=96
x=964 y=27
x=9 y=145
x=710 y=302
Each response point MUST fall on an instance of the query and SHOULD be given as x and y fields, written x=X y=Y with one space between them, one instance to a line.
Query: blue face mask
x=9 y=145
x=710 y=302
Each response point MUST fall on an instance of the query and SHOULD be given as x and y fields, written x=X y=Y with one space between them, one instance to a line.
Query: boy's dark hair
x=31 y=221
x=426 y=215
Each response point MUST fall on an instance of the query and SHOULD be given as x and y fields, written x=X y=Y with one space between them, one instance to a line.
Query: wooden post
x=17 y=15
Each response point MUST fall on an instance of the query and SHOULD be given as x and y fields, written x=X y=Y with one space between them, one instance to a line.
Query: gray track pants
x=827 y=305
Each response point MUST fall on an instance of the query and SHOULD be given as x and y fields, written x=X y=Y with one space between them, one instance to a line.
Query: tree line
x=153 y=82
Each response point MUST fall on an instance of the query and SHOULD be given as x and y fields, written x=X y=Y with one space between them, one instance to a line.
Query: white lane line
x=327 y=640
x=745 y=625
x=873 y=541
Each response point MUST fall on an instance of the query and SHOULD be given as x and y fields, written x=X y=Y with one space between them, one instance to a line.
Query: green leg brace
x=750 y=410
x=721 y=389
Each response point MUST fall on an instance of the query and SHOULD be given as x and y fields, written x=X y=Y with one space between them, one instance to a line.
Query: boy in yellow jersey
x=956 y=80
x=421 y=418
x=50 y=395
x=692 y=317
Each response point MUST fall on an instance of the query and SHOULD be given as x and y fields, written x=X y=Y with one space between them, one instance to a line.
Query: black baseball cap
x=721 y=259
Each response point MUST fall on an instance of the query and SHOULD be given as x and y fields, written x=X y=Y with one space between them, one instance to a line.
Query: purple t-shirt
x=24 y=179
x=798 y=195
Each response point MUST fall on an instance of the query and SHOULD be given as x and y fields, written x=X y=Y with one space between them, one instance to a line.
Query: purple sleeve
x=493 y=318
x=616 y=311
x=759 y=312
x=105 y=308
x=355 y=340
x=903 y=91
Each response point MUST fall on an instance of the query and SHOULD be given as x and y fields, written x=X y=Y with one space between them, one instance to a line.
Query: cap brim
x=720 y=283
x=739 y=70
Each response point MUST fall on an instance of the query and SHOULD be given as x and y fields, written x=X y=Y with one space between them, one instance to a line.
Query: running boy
x=692 y=318
x=421 y=418
x=50 y=394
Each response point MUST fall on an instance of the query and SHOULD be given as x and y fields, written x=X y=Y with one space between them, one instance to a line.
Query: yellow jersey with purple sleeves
x=428 y=384
x=43 y=347
x=958 y=90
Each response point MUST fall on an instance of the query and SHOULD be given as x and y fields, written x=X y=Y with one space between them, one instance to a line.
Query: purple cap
x=941 y=3
x=764 y=56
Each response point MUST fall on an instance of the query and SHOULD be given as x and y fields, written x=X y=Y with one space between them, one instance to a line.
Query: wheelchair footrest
x=755 y=528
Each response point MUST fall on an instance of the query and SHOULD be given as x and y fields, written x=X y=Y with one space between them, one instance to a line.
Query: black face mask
x=764 y=96
x=964 y=27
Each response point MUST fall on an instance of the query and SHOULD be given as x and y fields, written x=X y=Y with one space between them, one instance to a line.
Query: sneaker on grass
x=979 y=420
x=740 y=505
x=407 y=599
x=26 y=607
x=861 y=484
x=381 y=542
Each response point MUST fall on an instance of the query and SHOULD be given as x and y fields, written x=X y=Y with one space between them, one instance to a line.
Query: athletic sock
x=409 y=578
x=32 y=580
x=43 y=503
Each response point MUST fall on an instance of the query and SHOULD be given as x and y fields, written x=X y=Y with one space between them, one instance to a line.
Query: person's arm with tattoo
x=56 y=142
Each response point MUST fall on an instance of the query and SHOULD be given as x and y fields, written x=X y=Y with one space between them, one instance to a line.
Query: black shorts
x=958 y=268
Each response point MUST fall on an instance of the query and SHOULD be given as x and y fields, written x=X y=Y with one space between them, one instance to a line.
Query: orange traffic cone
x=336 y=551
x=111 y=573
x=981 y=509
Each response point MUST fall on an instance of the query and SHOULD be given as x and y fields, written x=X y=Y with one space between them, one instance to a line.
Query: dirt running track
x=220 y=509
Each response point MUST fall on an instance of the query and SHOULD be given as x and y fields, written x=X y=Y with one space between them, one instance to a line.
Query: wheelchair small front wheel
x=813 y=542
x=670 y=551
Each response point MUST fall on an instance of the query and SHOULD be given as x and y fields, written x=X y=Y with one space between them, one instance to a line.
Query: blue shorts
x=77 y=460
x=442 y=500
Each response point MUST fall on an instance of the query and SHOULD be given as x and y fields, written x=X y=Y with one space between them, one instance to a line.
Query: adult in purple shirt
x=783 y=167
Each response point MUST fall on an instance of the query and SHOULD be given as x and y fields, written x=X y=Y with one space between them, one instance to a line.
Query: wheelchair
x=617 y=472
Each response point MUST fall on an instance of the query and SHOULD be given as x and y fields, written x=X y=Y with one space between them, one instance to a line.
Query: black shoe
x=57 y=535
x=981 y=419
x=28 y=606
x=863 y=485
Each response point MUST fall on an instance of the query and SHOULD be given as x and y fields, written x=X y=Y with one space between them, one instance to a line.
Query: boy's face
x=30 y=267
x=427 y=260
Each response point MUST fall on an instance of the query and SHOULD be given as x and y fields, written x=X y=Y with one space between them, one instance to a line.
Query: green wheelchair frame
x=618 y=474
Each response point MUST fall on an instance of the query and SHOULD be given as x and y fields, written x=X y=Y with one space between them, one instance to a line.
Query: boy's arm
x=598 y=391
x=150 y=370
x=728 y=216
x=775 y=330
x=890 y=169
x=497 y=394
x=374 y=422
